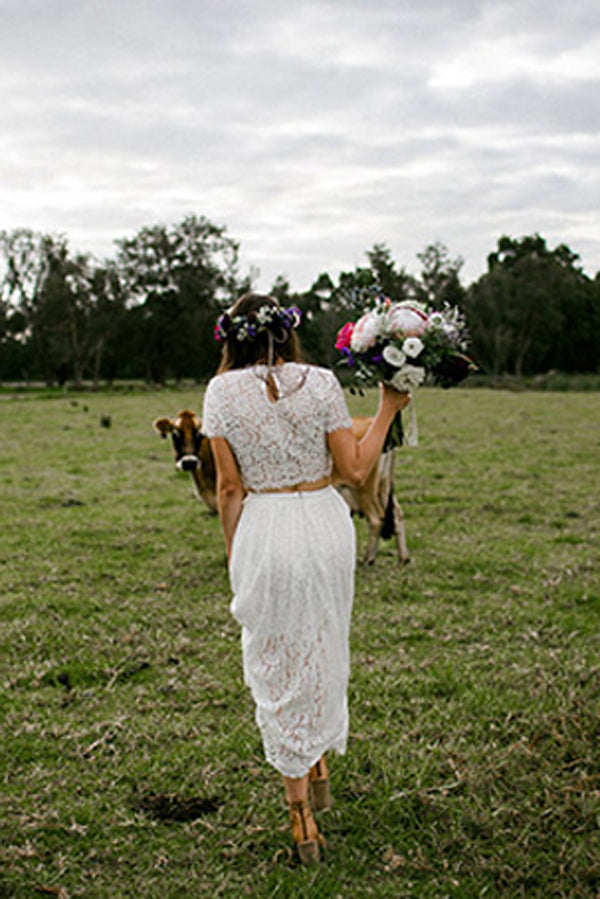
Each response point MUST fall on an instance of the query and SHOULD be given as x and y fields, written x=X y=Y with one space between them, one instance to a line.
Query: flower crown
x=277 y=320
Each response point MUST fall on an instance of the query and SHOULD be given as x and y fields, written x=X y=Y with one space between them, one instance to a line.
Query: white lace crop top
x=276 y=444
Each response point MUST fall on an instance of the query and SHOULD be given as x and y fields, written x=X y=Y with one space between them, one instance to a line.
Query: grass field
x=130 y=764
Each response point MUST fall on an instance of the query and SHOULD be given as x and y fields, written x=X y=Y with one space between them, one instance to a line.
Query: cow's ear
x=162 y=426
x=198 y=423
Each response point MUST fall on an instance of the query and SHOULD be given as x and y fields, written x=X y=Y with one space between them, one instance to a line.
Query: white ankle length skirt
x=292 y=575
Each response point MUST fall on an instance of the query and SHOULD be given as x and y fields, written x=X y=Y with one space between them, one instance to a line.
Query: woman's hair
x=267 y=335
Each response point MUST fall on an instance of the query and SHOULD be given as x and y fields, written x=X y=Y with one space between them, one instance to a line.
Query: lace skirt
x=292 y=575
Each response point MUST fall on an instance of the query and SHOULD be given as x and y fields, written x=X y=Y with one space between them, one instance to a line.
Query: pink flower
x=344 y=336
x=409 y=321
x=366 y=332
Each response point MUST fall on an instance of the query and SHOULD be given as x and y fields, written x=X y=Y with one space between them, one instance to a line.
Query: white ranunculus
x=406 y=320
x=447 y=323
x=436 y=319
x=412 y=346
x=407 y=377
x=393 y=356
x=263 y=314
x=366 y=331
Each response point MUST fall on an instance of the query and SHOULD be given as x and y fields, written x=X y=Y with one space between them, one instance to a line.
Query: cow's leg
x=371 y=551
x=369 y=503
x=403 y=555
x=374 y=516
x=392 y=505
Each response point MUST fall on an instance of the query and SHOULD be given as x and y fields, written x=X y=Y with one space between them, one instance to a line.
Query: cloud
x=311 y=130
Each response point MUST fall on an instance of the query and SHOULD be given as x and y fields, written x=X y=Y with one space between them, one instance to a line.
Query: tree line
x=149 y=312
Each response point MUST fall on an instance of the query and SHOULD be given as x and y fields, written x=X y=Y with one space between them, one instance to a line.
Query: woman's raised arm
x=354 y=459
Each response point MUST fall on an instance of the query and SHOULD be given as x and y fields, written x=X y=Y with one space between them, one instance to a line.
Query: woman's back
x=276 y=443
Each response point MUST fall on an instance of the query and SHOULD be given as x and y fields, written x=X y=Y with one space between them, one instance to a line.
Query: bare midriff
x=302 y=487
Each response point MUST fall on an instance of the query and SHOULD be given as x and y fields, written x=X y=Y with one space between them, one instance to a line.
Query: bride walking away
x=275 y=425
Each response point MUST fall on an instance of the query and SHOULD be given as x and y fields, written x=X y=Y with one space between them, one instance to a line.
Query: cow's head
x=187 y=437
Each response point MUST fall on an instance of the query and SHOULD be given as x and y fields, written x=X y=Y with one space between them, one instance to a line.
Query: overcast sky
x=310 y=130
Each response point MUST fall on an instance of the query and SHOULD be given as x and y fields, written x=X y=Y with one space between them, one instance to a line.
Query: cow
x=375 y=499
x=192 y=453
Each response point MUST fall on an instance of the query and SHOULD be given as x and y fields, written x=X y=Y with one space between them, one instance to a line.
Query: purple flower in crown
x=293 y=316
x=222 y=327
x=266 y=318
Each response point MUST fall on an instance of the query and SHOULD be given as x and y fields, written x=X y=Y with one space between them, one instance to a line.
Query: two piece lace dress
x=293 y=557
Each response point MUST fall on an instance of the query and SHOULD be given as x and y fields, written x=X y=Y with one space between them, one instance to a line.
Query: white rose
x=412 y=346
x=365 y=334
x=393 y=356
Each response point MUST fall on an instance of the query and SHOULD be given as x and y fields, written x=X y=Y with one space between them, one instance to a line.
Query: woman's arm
x=354 y=459
x=230 y=489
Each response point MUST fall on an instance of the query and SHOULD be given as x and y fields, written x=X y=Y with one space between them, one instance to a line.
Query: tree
x=395 y=283
x=518 y=311
x=45 y=292
x=109 y=335
x=440 y=277
x=12 y=349
x=281 y=291
x=25 y=255
x=180 y=277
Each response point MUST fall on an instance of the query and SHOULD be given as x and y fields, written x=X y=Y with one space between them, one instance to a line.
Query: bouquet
x=406 y=343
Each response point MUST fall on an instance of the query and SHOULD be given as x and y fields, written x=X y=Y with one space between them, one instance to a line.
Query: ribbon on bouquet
x=411 y=432
x=403 y=429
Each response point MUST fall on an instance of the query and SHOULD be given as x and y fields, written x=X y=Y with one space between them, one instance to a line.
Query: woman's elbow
x=229 y=489
x=350 y=475
x=359 y=478
x=348 y=460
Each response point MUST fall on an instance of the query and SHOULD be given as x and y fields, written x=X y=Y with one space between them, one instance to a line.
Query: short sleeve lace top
x=277 y=444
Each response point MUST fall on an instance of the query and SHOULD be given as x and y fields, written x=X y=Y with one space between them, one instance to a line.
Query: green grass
x=473 y=765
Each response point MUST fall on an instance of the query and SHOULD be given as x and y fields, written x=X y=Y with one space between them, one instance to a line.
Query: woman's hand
x=354 y=460
x=396 y=399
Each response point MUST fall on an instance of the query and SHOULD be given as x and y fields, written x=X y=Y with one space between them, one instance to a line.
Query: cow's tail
x=388 y=528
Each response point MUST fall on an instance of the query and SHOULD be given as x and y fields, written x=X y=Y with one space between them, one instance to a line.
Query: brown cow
x=192 y=453
x=374 y=499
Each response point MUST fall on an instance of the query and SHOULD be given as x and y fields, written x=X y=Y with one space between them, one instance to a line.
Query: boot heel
x=308 y=852
x=318 y=780
x=305 y=833
x=321 y=795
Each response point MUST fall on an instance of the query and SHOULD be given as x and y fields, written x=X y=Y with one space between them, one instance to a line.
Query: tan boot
x=305 y=833
x=318 y=780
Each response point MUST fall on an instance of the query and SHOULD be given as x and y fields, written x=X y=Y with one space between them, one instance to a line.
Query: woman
x=275 y=425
